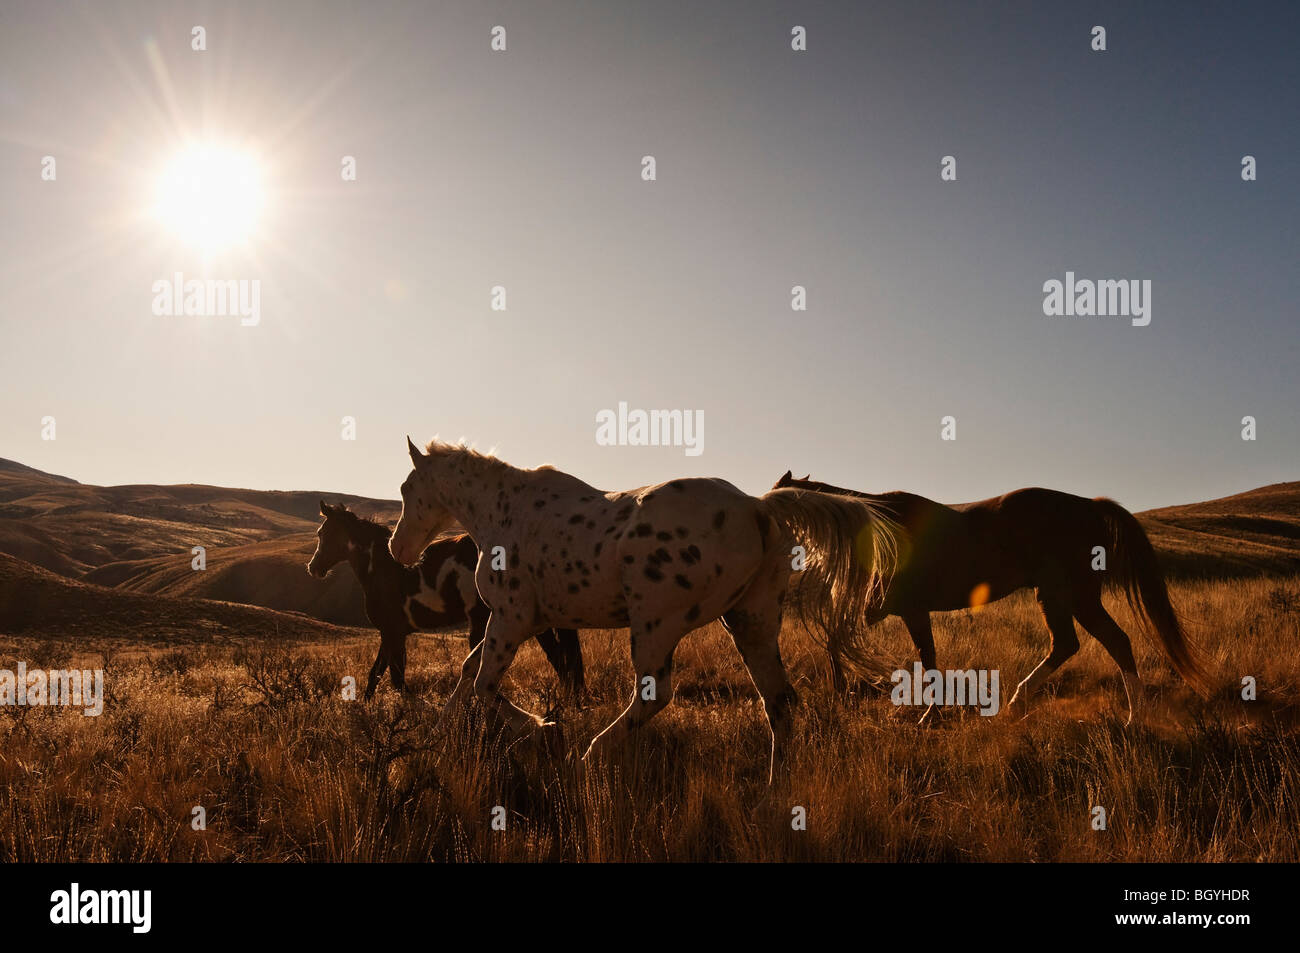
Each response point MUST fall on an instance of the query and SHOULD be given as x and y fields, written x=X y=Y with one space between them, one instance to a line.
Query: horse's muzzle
x=399 y=552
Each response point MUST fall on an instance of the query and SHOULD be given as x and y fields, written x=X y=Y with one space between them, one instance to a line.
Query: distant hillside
x=1248 y=534
x=91 y=526
x=12 y=466
x=269 y=573
x=36 y=600
x=139 y=538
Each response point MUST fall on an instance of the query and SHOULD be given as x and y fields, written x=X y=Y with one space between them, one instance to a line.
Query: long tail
x=1136 y=570
x=851 y=548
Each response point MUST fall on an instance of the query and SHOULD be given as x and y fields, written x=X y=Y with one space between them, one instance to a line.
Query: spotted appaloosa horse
x=436 y=593
x=661 y=560
x=955 y=557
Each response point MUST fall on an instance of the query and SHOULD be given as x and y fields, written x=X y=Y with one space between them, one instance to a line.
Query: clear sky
x=774 y=168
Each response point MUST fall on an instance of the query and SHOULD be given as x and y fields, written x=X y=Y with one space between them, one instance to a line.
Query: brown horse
x=955 y=557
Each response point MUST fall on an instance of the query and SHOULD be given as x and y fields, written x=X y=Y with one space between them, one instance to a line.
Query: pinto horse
x=660 y=560
x=434 y=594
x=955 y=557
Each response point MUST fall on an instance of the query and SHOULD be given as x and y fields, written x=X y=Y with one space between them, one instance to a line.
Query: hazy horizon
x=397 y=498
x=775 y=168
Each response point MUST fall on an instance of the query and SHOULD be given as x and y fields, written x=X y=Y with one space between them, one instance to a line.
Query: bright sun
x=209 y=195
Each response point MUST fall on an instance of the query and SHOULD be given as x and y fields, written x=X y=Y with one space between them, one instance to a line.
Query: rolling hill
x=1247 y=534
x=35 y=600
x=138 y=539
x=270 y=573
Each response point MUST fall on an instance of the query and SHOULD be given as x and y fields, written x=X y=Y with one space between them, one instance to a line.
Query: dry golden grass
x=259 y=736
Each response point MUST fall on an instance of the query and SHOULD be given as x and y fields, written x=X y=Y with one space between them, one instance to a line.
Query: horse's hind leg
x=755 y=627
x=1094 y=617
x=653 y=644
x=1060 y=622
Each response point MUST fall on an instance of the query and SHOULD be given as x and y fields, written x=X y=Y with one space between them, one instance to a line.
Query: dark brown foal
x=437 y=592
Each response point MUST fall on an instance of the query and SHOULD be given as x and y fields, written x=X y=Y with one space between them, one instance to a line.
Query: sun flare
x=209 y=195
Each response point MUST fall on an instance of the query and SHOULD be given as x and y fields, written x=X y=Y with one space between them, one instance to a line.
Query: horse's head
x=789 y=479
x=332 y=539
x=423 y=515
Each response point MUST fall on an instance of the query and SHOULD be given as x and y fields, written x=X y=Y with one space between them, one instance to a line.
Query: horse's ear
x=416 y=455
x=785 y=478
x=324 y=508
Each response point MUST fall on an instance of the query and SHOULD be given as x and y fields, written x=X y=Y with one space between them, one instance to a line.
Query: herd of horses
x=545 y=554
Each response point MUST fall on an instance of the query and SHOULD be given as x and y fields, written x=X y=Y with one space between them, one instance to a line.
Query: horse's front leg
x=478 y=618
x=500 y=643
x=377 y=670
x=564 y=652
x=396 y=652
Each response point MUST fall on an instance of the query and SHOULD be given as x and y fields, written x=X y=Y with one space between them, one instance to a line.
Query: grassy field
x=258 y=735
